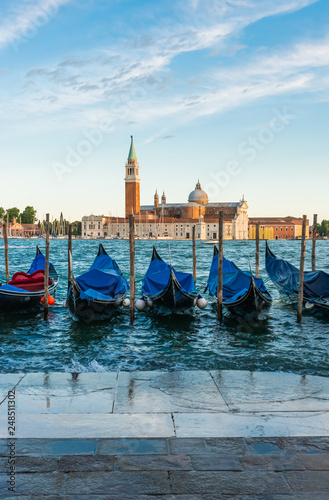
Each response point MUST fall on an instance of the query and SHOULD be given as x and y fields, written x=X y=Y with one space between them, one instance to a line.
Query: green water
x=196 y=341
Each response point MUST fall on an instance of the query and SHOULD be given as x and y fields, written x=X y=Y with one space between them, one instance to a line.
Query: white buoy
x=140 y=304
x=309 y=305
x=195 y=301
x=126 y=302
x=201 y=303
x=149 y=303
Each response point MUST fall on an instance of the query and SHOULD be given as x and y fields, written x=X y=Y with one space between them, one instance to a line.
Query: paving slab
x=132 y=446
x=92 y=426
x=307 y=481
x=35 y=484
x=228 y=482
x=85 y=463
x=115 y=483
x=52 y=447
x=272 y=392
x=65 y=393
x=223 y=424
x=180 y=391
x=153 y=462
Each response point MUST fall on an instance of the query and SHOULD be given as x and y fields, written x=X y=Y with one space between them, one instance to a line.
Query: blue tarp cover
x=38 y=264
x=316 y=283
x=235 y=282
x=103 y=281
x=11 y=288
x=157 y=278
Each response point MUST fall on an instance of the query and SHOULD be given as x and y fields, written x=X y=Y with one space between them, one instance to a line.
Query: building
x=166 y=228
x=199 y=210
x=168 y=220
x=277 y=228
x=132 y=183
x=92 y=226
x=17 y=230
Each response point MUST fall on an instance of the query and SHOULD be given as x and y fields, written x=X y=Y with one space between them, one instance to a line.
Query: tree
x=2 y=213
x=324 y=228
x=28 y=215
x=13 y=213
x=76 y=228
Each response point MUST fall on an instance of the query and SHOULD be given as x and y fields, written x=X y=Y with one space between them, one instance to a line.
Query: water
x=28 y=343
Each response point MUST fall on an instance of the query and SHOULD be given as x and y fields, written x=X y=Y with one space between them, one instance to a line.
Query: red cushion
x=31 y=282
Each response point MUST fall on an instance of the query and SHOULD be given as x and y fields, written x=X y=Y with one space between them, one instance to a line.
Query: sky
x=232 y=92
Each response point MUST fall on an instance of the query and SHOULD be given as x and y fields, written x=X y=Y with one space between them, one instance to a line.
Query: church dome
x=198 y=195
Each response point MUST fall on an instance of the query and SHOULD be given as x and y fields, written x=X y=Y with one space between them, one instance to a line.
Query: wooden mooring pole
x=69 y=256
x=301 y=273
x=46 y=291
x=315 y=223
x=257 y=251
x=5 y=240
x=220 y=268
x=194 y=253
x=132 y=267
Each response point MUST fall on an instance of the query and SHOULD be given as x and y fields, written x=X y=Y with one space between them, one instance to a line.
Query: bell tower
x=132 y=182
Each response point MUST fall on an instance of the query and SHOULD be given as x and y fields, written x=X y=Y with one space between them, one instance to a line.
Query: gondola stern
x=101 y=250
x=155 y=255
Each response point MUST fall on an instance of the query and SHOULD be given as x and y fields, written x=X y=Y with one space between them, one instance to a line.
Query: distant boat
x=98 y=293
x=286 y=278
x=243 y=294
x=25 y=290
x=164 y=286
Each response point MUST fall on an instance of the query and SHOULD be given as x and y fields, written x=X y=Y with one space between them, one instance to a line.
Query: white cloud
x=26 y=19
x=118 y=82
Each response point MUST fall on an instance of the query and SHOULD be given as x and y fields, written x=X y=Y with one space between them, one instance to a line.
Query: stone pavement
x=166 y=435
x=174 y=468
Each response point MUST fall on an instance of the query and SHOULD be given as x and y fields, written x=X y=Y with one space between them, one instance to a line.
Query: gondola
x=100 y=292
x=286 y=278
x=25 y=290
x=164 y=287
x=243 y=294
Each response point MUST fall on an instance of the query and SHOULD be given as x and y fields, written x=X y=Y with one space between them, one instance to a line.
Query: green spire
x=132 y=152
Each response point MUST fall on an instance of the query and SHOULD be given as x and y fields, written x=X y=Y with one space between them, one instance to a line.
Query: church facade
x=169 y=220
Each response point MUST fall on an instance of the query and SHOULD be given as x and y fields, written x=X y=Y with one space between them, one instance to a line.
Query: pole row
x=132 y=262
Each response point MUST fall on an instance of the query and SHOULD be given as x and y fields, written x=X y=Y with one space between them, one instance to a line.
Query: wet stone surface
x=170 y=469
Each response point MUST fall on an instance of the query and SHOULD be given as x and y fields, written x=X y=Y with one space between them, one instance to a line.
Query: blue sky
x=234 y=92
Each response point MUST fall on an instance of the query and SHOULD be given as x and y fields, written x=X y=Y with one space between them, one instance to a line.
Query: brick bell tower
x=132 y=182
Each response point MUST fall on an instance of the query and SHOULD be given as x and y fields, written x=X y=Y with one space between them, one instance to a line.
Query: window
x=277 y=229
x=282 y=229
x=286 y=229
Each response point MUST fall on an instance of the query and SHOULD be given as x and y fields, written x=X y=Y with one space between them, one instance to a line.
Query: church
x=169 y=220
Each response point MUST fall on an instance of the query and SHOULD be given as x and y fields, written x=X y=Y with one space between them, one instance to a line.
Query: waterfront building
x=17 y=230
x=277 y=228
x=168 y=220
x=92 y=226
